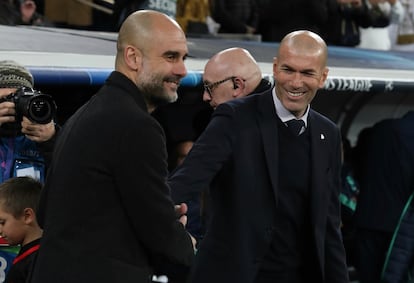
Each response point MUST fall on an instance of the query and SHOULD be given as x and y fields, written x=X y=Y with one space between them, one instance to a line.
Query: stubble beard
x=155 y=93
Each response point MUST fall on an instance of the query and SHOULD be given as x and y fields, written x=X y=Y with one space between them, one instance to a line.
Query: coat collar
x=121 y=81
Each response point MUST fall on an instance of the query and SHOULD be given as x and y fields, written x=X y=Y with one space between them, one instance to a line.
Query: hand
x=27 y=9
x=180 y=211
x=7 y=112
x=38 y=132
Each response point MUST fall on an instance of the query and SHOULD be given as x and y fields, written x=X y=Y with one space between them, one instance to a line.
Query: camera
x=38 y=107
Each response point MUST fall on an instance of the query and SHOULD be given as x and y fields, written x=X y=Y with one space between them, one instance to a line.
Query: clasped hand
x=181 y=210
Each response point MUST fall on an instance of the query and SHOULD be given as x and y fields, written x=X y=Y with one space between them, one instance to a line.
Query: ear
x=132 y=57
x=323 y=77
x=274 y=66
x=29 y=215
x=238 y=86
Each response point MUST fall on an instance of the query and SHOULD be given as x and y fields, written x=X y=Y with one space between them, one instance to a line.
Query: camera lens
x=41 y=109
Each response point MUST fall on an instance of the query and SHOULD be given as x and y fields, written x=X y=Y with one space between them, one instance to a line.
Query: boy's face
x=12 y=229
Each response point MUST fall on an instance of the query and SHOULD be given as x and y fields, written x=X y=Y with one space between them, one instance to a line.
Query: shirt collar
x=286 y=115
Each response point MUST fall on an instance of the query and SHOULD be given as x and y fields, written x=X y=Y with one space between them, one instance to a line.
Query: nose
x=180 y=69
x=297 y=80
x=206 y=96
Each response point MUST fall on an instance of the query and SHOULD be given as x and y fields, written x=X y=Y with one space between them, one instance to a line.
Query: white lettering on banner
x=389 y=86
x=167 y=6
x=348 y=84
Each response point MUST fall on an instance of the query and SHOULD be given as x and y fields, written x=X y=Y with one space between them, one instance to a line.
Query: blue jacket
x=20 y=156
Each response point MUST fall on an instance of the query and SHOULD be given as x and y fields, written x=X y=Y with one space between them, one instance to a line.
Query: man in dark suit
x=275 y=213
x=400 y=255
x=106 y=209
x=386 y=185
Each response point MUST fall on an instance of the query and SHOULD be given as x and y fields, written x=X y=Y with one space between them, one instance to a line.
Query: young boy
x=19 y=197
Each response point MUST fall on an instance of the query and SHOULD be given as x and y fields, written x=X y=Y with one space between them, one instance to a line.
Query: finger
x=33 y=138
x=183 y=220
x=184 y=208
x=6 y=119
x=180 y=209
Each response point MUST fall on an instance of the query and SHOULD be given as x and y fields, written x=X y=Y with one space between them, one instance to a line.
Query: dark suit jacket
x=106 y=208
x=387 y=176
x=239 y=150
x=400 y=256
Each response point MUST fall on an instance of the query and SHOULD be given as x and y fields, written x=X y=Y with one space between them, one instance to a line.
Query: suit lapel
x=267 y=121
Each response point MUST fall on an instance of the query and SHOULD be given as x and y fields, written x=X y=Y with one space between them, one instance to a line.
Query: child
x=19 y=197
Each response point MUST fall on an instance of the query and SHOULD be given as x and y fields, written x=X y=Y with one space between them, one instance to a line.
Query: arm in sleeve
x=141 y=177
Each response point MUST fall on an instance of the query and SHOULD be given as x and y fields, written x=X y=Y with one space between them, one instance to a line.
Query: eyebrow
x=300 y=71
x=174 y=54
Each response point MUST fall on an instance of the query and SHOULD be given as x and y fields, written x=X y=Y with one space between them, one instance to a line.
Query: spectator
x=345 y=18
x=21 y=12
x=236 y=16
x=119 y=154
x=278 y=18
x=19 y=198
x=382 y=14
x=386 y=182
x=402 y=34
x=275 y=213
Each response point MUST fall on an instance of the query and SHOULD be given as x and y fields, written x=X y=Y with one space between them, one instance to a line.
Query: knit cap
x=14 y=75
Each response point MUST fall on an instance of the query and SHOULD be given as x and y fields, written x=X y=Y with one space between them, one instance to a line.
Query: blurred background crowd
x=371 y=24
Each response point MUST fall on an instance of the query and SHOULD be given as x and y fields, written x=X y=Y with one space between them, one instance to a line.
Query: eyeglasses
x=209 y=87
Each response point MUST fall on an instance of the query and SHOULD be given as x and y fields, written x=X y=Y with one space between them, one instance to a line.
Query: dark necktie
x=295 y=126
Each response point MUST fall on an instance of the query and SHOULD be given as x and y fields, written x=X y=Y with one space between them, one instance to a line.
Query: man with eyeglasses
x=274 y=192
x=232 y=73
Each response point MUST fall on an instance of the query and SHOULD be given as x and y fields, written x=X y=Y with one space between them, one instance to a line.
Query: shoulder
x=250 y=102
x=321 y=119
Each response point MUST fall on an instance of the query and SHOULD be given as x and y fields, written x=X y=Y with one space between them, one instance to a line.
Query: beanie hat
x=14 y=75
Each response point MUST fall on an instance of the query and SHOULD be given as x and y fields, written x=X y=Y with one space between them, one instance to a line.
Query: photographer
x=25 y=146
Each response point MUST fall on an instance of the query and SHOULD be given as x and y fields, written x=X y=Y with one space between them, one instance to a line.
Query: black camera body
x=38 y=107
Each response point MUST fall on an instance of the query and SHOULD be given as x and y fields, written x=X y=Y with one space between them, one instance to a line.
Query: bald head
x=299 y=70
x=144 y=29
x=151 y=50
x=229 y=74
x=304 y=42
x=234 y=62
